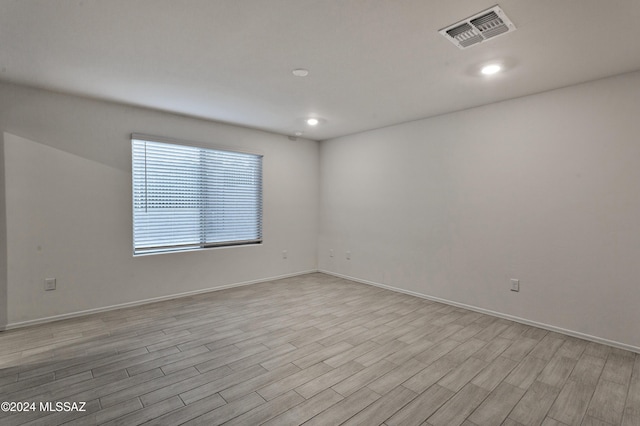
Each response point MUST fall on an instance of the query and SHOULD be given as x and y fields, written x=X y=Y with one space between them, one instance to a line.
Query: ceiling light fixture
x=491 y=69
x=300 y=72
x=312 y=121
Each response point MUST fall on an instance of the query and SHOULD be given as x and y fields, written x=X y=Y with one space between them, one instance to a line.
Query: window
x=187 y=197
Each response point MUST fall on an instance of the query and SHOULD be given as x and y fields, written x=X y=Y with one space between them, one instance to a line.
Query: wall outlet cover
x=515 y=285
x=49 y=284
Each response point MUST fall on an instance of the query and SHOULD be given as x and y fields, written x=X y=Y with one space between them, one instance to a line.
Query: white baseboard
x=45 y=320
x=525 y=321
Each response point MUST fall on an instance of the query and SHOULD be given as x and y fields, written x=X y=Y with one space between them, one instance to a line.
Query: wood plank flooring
x=313 y=350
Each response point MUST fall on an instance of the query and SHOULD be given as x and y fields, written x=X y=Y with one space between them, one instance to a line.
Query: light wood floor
x=313 y=350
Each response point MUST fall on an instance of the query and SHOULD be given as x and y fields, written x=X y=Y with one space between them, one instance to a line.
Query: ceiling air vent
x=478 y=28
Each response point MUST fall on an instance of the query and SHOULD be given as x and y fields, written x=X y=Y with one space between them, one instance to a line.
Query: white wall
x=68 y=206
x=544 y=188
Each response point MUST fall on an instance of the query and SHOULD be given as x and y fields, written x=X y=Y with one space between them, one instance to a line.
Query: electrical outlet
x=515 y=285
x=284 y=254
x=49 y=284
x=348 y=255
x=330 y=252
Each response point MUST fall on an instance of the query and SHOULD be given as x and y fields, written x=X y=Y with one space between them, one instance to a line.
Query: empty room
x=320 y=212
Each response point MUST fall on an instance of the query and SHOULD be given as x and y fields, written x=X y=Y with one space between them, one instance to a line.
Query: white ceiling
x=372 y=63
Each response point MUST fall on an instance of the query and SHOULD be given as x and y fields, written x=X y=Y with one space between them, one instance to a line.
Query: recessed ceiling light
x=300 y=72
x=491 y=69
x=312 y=121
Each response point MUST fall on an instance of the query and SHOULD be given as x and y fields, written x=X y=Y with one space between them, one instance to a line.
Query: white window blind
x=187 y=197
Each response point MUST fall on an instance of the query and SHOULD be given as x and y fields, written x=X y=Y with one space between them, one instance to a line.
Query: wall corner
x=4 y=302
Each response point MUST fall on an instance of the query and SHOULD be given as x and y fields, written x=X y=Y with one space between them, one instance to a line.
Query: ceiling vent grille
x=480 y=27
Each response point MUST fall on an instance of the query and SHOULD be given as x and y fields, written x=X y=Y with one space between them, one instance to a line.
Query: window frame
x=202 y=245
